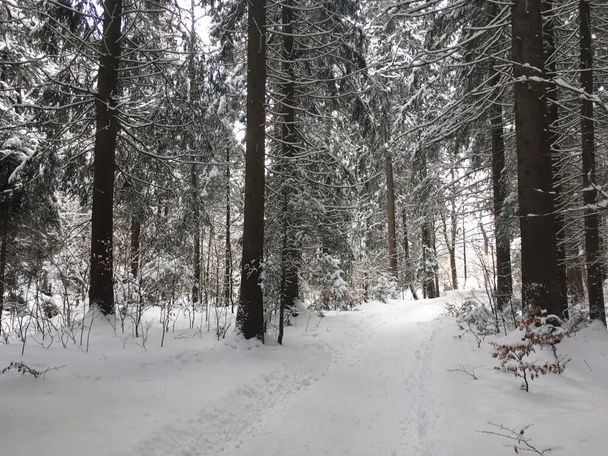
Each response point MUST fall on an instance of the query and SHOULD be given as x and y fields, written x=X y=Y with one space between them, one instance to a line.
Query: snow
x=385 y=380
x=14 y=147
x=12 y=143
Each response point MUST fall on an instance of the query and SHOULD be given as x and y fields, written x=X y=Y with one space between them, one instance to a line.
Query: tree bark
x=429 y=283
x=250 y=315
x=228 y=245
x=450 y=242
x=408 y=273
x=453 y=231
x=4 y=216
x=504 y=282
x=290 y=264
x=406 y=240
x=595 y=278
x=196 y=236
x=194 y=181
x=390 y=213
x=540 y=275
x=135 y=242
x=554 y=139
x=464 y=254
x=576 y=281
x=101 y=290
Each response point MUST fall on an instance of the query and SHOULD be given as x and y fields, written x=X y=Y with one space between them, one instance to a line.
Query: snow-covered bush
x=513 y=310
x=476 y=316
x=163 y=277
x=335 y=293
x=14 y=155
x=578 y=317
x=533 y=334
x=386 y=288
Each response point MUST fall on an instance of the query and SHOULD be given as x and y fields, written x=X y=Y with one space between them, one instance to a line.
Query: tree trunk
x=453 y=230
x=194 y=182
x=135 y=242
x=429 y=283
x=408 y=273
x=196 y=236
x=289 y=255
x=250 y=316
x=575 y=276
x=406 y=240
x=4 y=216
x=450 y=243
x=540 y=275
x=504 y=282
x=554 y=139
x=228 y=245
x=464 y=254
x=595 y=280
x=101 y=290
x=453 y=269
x=390 y=213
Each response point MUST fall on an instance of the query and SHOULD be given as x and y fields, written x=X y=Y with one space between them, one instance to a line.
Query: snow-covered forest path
x=388 y=381
x=354 y=385
x=385 y=380
x=372 y=400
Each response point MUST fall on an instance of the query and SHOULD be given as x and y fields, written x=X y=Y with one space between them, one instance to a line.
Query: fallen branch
x=521 y=443
x=468 y=370
x=23 y=369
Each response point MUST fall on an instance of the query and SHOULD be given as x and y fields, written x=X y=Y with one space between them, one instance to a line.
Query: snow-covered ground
x=384 y=380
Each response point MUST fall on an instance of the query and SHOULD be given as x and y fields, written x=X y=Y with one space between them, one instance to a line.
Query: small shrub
x=335 y=293
x=476 y=316
x=451 y=310
x=386 y=288
x=536 y=333
x=22 y=369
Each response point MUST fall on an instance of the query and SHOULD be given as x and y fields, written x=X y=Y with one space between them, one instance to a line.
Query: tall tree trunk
x=595 y=280
x=408 y=273
x=429 y=283
x=435 y=273
x=250 y=315
x=427 y=234
x=406 y=242
x=575 y=275
x=453 y=231
x=196 y=235
x=540 y=275
x=193 y=93
x=554 y=139
x=453 y=270
x=228 y=245
x=135 y=242
x=464 y=254
x=450 y=243
x=390 y=213
x=504 y=281
x=289 y=255
x=101 y=290
x=4 y=216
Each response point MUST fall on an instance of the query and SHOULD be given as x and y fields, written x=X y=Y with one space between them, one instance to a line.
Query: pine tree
x=540 y=274
x=101 y=291
x=595 y=274
x=250 y=316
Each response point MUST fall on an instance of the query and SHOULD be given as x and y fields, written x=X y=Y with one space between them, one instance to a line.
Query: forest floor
x=387 y=380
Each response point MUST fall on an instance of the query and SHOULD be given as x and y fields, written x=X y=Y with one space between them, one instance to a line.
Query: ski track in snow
x=422 y=416
x=366 y=394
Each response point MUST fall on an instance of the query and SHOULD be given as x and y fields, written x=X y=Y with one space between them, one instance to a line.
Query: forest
x=285 y=185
